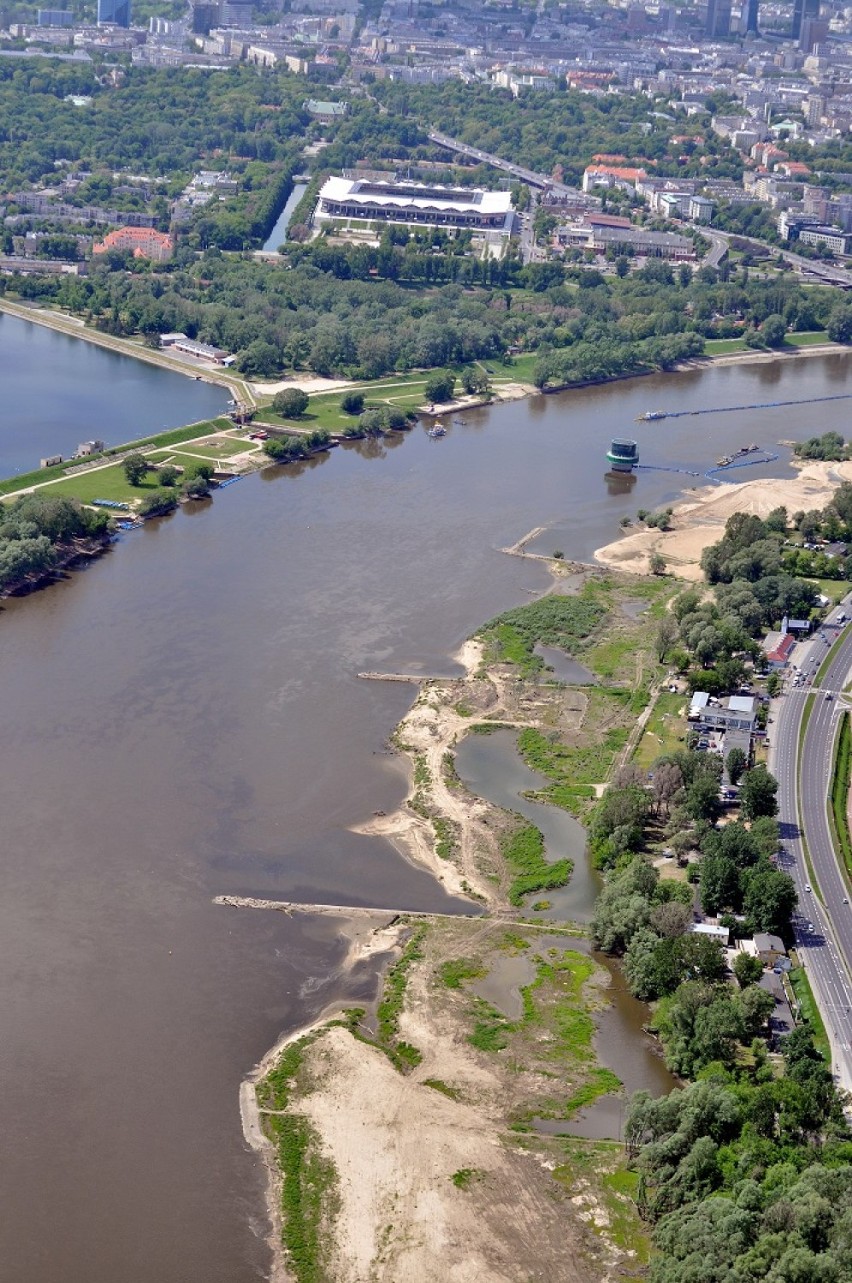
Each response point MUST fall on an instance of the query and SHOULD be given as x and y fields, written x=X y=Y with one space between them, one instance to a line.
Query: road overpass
x=823 y=921
x=528 y=176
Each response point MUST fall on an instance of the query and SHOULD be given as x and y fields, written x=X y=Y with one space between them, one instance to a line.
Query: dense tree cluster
x=746 y=1176
x=36 y=528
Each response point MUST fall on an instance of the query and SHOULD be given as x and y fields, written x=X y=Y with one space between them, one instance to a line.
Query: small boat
x=437 y=431
x=461 y=421
x=724 y=462
x=651 y=415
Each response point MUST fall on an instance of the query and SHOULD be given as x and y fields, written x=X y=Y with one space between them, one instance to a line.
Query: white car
x=807 y=887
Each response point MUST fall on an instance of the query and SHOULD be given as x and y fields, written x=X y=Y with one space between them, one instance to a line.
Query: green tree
x=290 y=403
x=167 y=475
x=135 y=468
x=774 y=331
x=747 y=969
x=758 y=794
x=735 y=764
x=440 y=387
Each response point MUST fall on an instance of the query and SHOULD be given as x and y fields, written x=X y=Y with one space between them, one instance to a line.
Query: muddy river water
x=183 y=719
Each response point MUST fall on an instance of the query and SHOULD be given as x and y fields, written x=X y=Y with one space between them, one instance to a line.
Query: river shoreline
x=391 y=1134
x=248 y=391
x=698 y=520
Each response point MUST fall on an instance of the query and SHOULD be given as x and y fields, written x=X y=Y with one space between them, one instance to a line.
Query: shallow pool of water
x=563 y=667
x=491 y=767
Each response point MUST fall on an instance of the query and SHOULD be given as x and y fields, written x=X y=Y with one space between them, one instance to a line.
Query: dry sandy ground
x=396 y=1144
x=700 y=520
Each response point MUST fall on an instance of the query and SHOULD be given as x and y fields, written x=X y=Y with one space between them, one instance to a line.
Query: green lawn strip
x=309 y=1195
x=807 y=338
x=806 y=717
x=223 y=448
x=808 y=1010
x=839 y=796
x=522 y=847
x=664 y=731
x=718 y=347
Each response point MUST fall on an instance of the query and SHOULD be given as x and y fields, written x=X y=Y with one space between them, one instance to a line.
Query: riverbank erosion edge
x=699 y=520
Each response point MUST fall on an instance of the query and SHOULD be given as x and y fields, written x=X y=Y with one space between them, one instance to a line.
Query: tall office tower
x=718 y=19
x=751 y=17
x=115 y=13
x=803 y=9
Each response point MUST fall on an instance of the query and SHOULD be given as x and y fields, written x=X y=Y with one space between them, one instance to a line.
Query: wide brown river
x=183 y=719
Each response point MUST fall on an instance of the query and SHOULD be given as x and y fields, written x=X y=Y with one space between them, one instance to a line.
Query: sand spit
x=426 y=733
x=699 y=520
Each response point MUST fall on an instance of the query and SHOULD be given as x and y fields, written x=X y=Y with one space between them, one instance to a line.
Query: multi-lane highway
x=823 y=922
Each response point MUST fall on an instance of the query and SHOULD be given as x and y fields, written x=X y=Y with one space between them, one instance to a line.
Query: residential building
x=143 y=242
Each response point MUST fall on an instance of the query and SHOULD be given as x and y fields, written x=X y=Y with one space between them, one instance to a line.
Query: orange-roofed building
x=624 y=176
x=794 y=169
x=602 y=158
x=143 y=242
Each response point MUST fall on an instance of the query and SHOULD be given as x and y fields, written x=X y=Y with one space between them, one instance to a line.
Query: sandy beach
x=699 y=520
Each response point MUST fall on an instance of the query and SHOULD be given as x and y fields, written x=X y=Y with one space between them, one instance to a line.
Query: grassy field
x=104 y=483
x=175 y=436
x=719 y=347
x=807 y=338
x=224 y=448
x=664 y=731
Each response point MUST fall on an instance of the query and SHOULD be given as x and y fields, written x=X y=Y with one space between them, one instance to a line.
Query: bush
x=168 y=475
x=352 y=403
x=157 y=503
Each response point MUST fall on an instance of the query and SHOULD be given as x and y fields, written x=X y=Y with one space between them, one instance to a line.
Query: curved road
x=823 y=922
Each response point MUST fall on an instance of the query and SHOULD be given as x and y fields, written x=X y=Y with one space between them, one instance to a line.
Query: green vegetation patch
x=574 y=769
x=455 y=972
x=309 y=1196
x=403 y=1054
x=523 y=850
x=465 y=1177
x=839 y=803
x=438 y=1084
x=554 y=621
x=809 y=1011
